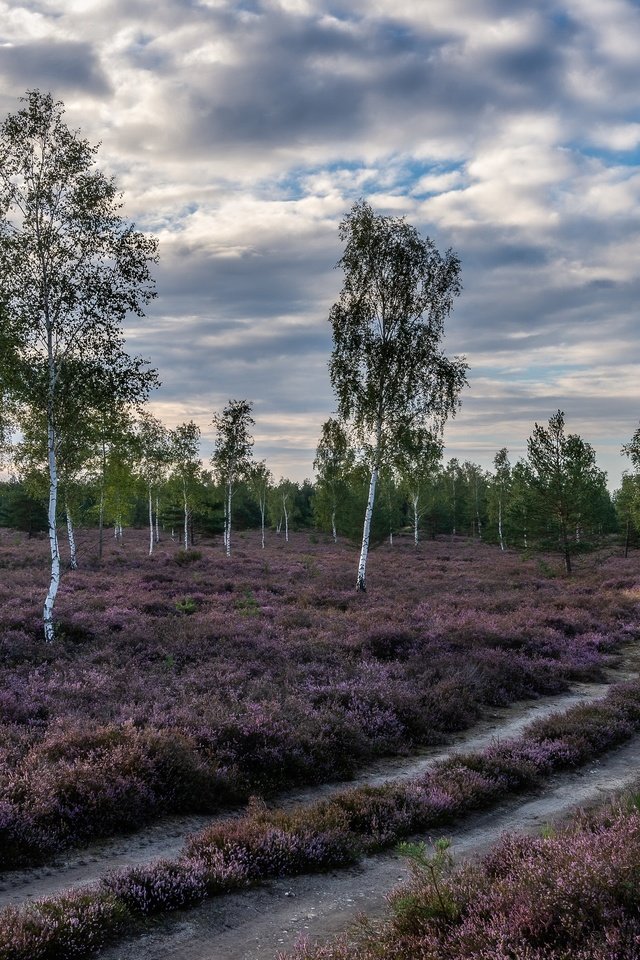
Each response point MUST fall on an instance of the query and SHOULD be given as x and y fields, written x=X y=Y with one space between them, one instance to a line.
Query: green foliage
x=20 y=510
x=187 y=606
x=185 y=557
x=431 y=897
x=567 y=487
x=247 y=604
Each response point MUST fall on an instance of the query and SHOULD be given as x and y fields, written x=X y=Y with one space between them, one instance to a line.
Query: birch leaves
x=71 y=269
x=387 y=369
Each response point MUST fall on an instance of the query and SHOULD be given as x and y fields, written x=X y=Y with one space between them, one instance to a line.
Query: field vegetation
x=189 y=681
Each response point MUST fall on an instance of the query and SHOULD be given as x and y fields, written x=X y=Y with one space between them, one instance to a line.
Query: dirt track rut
x=166 y=837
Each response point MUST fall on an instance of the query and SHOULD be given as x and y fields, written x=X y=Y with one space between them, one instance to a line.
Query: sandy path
x=258 y=924
x=166 y=837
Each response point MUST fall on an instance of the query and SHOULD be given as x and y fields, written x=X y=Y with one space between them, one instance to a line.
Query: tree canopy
x=387 y=367
x=71 y=270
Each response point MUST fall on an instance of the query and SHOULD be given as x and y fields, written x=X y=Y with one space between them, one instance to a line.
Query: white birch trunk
x=101 y=513
x=500 y=523
x=262 y=509
x=361 y=583
x=415 y=521
x=150 y=523
x=225 y=527
x=186 y=515
x=333 y=524
x=279 y=525
x=73 y=557
x=54 y=582
x=454 y=507
x=390 y=538
x=286 y=520
x=228 y=537
x=157 y=522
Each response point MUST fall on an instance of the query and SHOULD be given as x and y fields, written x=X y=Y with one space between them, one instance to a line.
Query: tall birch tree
x=184 y=445
x=71 y=269
x=231 y=457
x=387 y=367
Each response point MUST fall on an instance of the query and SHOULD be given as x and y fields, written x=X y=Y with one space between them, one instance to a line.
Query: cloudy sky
x=242 y=132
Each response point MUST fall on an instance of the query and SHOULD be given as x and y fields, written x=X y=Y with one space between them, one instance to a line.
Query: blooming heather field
x=185 y=684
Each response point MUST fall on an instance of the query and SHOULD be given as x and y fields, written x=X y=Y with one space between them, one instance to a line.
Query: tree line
x=72 y=268
x=554 y=499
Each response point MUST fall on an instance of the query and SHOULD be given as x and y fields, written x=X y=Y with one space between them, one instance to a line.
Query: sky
x=242 y=132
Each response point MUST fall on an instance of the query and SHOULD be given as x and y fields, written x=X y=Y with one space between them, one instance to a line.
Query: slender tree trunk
x=101 y=525
x=103 y=480
x=157 y=521
x=500 y=522
x=186 y=514
x=73 y=557
x=390 y=538
x=279 y=525
x=415 y=520
x=454 y=507
x=361 y=582
x=333 y=523
x=565 y=547
x=225 y=528
x=286 y=519
x=150 y=523
x=228 y=538
x=54 y=582
x=478 y=521
x=262 y=508
x=626 y=538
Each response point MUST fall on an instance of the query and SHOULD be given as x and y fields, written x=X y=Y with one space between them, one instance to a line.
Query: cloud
x=59 y=66
x=241 y=133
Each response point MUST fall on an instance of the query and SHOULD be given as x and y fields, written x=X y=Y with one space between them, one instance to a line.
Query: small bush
x=184 y=557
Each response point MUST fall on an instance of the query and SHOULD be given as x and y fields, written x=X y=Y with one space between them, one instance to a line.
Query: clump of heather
x=178 y=686
x=74 y=925
x=573 y=894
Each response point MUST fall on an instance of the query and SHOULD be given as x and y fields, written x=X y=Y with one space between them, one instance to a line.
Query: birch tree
x=519 y=506
x=231 y=458
x=184 y=445
x=387 y=368
x=285 y=492
x=153 y=456
x=260 y=481
x=417 y=465
x=501 y=486
x=71 y=269
x=333 y=461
